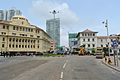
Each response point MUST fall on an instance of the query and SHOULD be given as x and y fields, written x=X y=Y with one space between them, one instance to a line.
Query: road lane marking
x=66 y=61
x=64 y=65
x=61 y=77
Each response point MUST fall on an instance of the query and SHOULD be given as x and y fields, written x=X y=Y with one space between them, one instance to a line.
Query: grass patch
x=53 y=55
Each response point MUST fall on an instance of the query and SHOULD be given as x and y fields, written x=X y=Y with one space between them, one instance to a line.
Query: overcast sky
x=75 y=15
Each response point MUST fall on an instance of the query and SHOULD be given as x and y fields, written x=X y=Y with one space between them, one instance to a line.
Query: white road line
x=61 y=77
x=66 y=61
x=64 y=66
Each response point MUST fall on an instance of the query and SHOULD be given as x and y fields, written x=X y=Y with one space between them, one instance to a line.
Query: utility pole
x=106 y=25
x=117 y=52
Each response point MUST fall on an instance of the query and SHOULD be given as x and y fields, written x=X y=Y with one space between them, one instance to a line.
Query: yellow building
x=19 y=36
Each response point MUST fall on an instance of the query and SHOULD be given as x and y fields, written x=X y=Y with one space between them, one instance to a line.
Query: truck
x=99 y=53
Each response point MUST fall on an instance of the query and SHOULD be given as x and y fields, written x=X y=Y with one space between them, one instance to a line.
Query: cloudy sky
x=75 y=15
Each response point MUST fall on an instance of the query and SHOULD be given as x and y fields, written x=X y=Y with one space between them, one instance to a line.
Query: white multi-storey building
x=87 y=38
x=91 y=40
x=102 y=41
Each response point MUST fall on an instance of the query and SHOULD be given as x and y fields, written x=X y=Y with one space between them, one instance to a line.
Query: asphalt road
x=88 y=68
x=57 y=68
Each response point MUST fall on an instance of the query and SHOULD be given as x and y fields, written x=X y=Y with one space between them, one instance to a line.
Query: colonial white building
x=91 y=40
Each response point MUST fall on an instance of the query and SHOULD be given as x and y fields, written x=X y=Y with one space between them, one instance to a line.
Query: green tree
x=93 y=50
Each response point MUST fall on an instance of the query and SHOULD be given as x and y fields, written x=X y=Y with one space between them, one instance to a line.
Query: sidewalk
x=3 y=58
x=111 y=65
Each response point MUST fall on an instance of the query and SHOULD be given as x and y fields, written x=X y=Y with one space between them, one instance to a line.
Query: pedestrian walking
x=109 y=61
x=105 y=59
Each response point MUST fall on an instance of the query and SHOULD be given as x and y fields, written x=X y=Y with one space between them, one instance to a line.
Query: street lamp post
x=117 y=52
x=106 y=25
x=54 y=12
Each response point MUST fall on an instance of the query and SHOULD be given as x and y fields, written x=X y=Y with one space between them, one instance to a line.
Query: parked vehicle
x=99 y=55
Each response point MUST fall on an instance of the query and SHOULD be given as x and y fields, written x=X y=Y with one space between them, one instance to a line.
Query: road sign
x=114 y=43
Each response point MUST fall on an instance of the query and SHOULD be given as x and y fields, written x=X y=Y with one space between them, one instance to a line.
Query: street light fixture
x=106 y=25
x=54 y=12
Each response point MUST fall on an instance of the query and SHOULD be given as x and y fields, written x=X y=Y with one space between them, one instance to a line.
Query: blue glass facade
x=72 y=39
x=53 y=29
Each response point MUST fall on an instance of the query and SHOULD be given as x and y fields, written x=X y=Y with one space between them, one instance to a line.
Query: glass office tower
x=53 y=29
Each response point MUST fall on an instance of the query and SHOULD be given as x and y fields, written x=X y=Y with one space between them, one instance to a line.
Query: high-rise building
x=53 y=29
x=8 y=14
x=18 y=12
x=13 y=12
x=72 y=39
x=1 y=14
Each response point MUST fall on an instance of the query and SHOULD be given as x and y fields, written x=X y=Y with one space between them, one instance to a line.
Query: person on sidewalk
x=109 y=61
x=105 y=59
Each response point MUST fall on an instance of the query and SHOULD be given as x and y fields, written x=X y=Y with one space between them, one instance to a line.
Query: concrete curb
x=110 y=66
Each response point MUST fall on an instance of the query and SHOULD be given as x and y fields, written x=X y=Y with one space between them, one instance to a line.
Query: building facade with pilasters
x=19 y=36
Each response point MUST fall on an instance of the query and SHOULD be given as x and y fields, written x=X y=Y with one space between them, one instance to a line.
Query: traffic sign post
x=115 y=45
x=117 y=60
